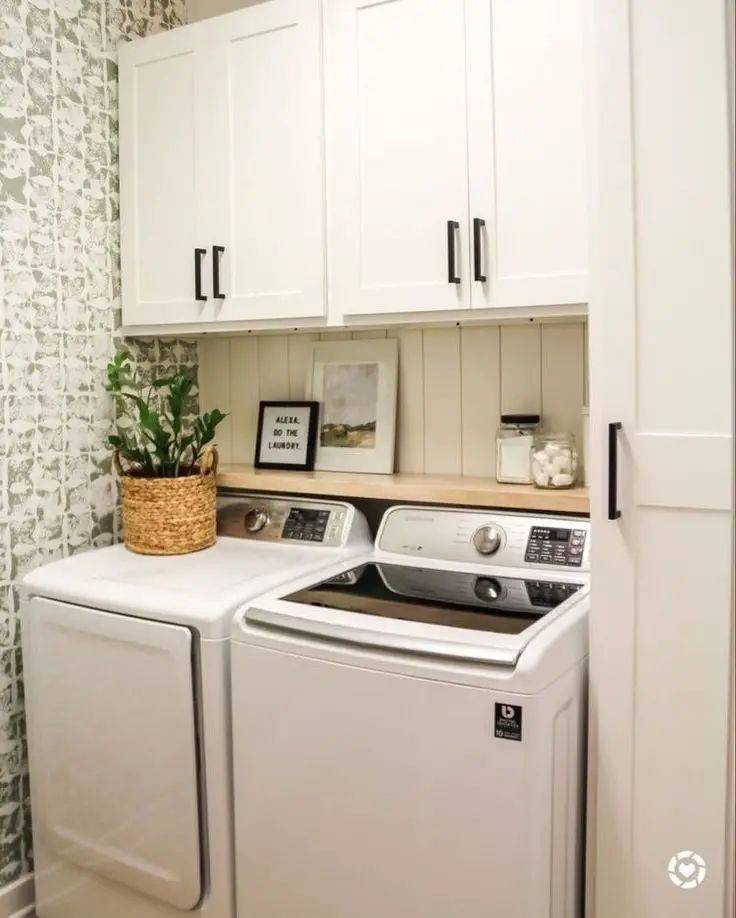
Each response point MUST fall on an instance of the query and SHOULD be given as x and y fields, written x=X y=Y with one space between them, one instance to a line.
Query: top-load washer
x=127 y=687
x=409 y=726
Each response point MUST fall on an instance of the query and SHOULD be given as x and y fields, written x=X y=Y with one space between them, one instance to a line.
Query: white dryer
x=127 y=674
x=409 y=728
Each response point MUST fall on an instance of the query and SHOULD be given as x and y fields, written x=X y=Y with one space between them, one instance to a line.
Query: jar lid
x=520 y=418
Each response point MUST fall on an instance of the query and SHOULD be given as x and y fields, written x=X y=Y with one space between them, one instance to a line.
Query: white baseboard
x=16 y=899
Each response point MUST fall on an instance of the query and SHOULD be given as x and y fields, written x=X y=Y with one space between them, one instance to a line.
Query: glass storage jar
x=554 y=460
x=514 y=442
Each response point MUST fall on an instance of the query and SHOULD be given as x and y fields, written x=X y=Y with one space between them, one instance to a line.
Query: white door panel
x=397 y=154
x=112 y=736
x=161 y=193
x=527 y=150
x=267 y=165
x=661 y=358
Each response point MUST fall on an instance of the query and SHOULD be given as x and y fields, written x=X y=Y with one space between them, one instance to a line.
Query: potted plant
x=166 y=467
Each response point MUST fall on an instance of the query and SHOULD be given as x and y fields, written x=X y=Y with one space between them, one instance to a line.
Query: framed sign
x=287 y=435
x=355 y=383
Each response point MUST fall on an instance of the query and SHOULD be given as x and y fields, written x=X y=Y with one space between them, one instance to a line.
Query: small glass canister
x=514 y=442
x=554 y=460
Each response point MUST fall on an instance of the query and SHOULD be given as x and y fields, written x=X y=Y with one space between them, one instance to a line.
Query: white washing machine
x=409 y=728
x=127 y=673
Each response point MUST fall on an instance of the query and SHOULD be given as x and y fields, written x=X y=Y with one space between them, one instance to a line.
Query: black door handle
x=478 y=224
x=217 y=250
x=452 y=227
x=198 y=256
x=613 y=428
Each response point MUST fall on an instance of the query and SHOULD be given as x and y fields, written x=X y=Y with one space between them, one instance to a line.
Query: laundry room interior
x=366 y=458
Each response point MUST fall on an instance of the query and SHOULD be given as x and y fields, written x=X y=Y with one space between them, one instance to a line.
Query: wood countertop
x=409 y=488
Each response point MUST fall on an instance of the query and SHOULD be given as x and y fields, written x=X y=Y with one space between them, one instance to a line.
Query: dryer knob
x=488 y=589
x=256 y=519
x=487 y=540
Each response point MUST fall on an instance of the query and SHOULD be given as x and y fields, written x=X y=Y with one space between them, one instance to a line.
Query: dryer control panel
x=268 y=519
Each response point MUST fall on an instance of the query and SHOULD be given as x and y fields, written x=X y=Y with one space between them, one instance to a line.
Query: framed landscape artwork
x=355 y=384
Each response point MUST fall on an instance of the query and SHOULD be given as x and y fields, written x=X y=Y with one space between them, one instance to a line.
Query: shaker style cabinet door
x=397 y=155
x=661 y=360
x=527 y=152
x=265 y=163
x=161 y=145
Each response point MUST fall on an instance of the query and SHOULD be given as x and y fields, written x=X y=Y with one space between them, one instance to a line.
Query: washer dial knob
x=488 y=589
x=256 y=519
x=488 y=539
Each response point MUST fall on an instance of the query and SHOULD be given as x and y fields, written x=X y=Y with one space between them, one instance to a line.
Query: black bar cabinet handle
x=217 y=250
x=613 y=512
x=198 y=256
x=478 y=225
x=452 y=227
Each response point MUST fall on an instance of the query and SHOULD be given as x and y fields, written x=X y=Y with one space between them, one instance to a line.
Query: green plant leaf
x=153 y=437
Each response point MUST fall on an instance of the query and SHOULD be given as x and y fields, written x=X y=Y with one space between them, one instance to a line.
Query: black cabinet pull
x=452 y=227
x=217 y=250
x=478 y=225
x=198 y=256
x=613 y=512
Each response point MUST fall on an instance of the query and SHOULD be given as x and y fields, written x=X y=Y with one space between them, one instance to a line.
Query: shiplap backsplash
x=453 y=385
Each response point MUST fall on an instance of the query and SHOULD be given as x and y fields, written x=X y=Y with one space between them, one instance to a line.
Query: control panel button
x=549 y=595
x=488 y=589
x=488 y=539
x=256 y=519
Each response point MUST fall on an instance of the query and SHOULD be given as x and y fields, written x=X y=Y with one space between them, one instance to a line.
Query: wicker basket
x=170 y=516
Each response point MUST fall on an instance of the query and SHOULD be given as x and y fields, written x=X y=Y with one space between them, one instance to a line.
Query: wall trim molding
x=17 y=898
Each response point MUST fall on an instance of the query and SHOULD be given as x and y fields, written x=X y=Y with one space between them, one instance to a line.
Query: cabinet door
x=528 y=178
x=397 y=154
x=161 y=195
x=661 y=324
x=265 y=164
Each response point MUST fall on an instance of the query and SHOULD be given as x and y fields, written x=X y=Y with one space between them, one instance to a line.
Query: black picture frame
x=311 y=436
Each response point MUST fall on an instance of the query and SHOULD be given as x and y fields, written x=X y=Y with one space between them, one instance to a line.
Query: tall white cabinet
x=222 y=169
x=661 y=364
x=456 y=142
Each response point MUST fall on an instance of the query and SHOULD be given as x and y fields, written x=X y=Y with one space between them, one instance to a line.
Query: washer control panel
x=486 y=538
x=555 y=545
x=269 y=519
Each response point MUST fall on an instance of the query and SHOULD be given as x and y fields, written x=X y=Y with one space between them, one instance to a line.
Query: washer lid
x=476 y=617
x=201 y=590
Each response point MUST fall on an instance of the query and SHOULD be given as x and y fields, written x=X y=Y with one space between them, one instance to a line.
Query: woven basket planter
x=170 y=516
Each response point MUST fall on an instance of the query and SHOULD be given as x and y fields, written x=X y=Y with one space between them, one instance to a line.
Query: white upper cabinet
x=161 y=108
x=425 y=155
x=268 y=175
x=455 y=110
x=397 y=154
x=527 y=151
x=222 y=168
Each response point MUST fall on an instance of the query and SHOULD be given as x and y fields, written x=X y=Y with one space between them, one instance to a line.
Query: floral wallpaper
x=59 y=311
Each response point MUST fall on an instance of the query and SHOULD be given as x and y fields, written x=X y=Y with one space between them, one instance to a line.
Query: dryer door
x=113 y=746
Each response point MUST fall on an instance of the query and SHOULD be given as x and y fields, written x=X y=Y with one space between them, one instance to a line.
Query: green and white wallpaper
x=59 y=310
